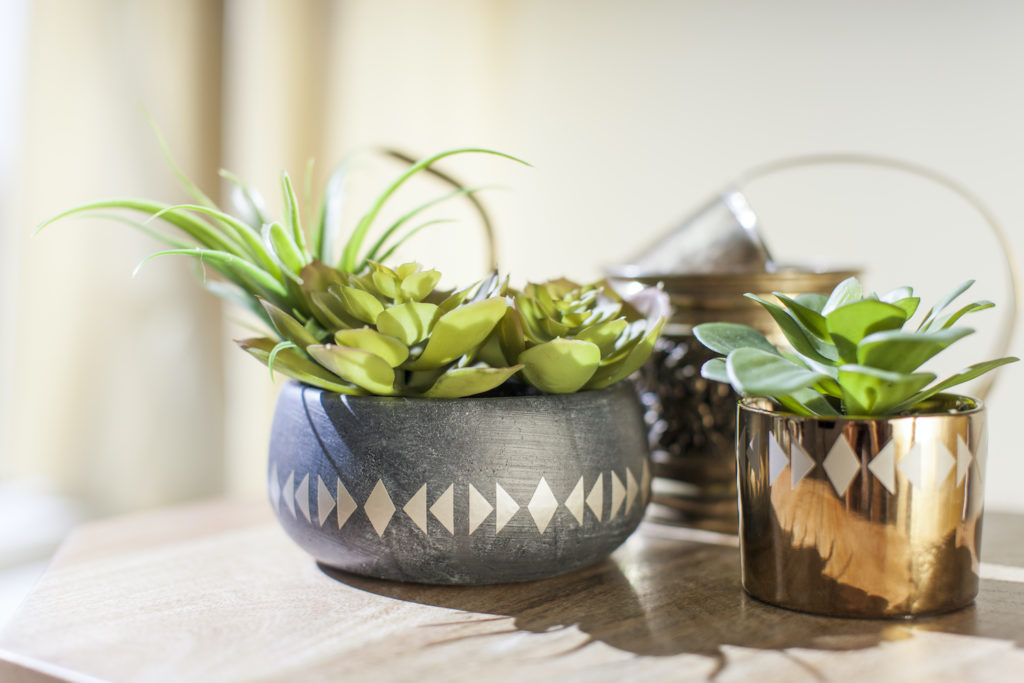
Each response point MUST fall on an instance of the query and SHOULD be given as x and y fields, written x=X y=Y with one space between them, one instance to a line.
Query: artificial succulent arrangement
x=849 y=353
x=350 y=324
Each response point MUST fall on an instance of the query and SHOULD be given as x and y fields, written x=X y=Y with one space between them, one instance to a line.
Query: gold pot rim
x=763 y=406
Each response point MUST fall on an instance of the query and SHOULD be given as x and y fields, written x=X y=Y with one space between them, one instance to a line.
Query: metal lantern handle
x=857 y=159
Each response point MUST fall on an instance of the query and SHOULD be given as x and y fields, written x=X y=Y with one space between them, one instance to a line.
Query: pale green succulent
x=388 y=333
x=851 y=353
x=570 y=337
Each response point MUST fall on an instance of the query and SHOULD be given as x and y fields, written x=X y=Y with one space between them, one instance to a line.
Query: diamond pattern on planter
x=506 y=506
x=302 y=498
x=346 y=504
x=416 y=508
x=777 y=459
x=618 y=495
x=944 y=462
x=800 y=464
x=963 y=459
x=543 y=505
x=324 y=501
x=841 y=465
x=379 y=508
x=753 y=457
x=288 y=493
x=631 y=489
x=444 y=509
x=911 y=466
x=479 y=509
x=595 y=499
x=574 y=503
x=883 y=466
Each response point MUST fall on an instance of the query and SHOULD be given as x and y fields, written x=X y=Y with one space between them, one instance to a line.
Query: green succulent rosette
x=570 y=337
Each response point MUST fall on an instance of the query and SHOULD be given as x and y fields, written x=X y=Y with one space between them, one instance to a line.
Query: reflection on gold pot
x=861 y=517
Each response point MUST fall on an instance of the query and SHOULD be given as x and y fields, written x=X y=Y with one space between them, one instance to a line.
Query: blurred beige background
x=127 y=393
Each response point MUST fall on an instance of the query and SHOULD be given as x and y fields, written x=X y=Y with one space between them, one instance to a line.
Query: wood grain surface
x=216 y=592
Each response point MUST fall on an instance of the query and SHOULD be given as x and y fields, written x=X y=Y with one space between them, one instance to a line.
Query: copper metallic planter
x=866 y=518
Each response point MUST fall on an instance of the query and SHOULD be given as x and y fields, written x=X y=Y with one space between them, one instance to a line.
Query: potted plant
x=476 y=435
x=860 y=479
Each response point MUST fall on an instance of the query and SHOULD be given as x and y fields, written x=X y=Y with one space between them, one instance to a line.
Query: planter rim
x=370 y=398
x=756 y=405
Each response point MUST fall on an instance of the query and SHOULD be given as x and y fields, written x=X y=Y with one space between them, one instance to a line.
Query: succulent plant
x=849 y=353
x=348 y=323
x=569 y=337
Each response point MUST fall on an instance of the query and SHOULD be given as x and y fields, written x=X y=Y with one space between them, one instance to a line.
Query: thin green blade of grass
x=371 y=255
x=355 y=241
x=201 y=231
x=291 y=203
x=221 y=260
x=405 y=238
x=241 y=231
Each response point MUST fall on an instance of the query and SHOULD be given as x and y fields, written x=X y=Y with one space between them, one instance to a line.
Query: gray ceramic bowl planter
x=459 y=491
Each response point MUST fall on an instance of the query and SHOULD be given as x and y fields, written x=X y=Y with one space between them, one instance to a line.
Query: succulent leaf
x=459 y=331
x=871 y=391
x=898 y=351
x=288 y=327
x=560 y=366
x=291 y=363
x=416 y=286
x=391 y=350
x=359 y=304
x=758 y=372
x=850 y=323
x=846 y=292
x=409 y=323
x=725 y=338
x=469 y=381
x=362 y=368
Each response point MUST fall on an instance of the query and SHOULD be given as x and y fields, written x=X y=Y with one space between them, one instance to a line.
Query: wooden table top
x=217 y=592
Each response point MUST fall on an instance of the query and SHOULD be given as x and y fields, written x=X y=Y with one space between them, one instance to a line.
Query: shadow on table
x=666 y=598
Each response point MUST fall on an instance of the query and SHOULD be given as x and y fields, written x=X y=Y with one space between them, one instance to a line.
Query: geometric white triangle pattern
x=841 y=465
x=324 y=501
x=288 y=493
x=379 y=508
x=302 y=497
x=275 y=486
x=963 y=459
x=542 y=505
x=507 y=507
x=346 y=504
x=753 y=456
x=479 y=509
x=944 y=462
x=595 y=499
x=777 y=460
x=631 y=490
x=800 y=464
x=981 y=452
x=911 y=464
x=618 y=495
x=574 y=503
x=883 y=466
x=416 y=508
x=444 y=509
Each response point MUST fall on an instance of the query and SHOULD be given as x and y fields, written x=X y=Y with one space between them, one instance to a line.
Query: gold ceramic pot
x=861 y=517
